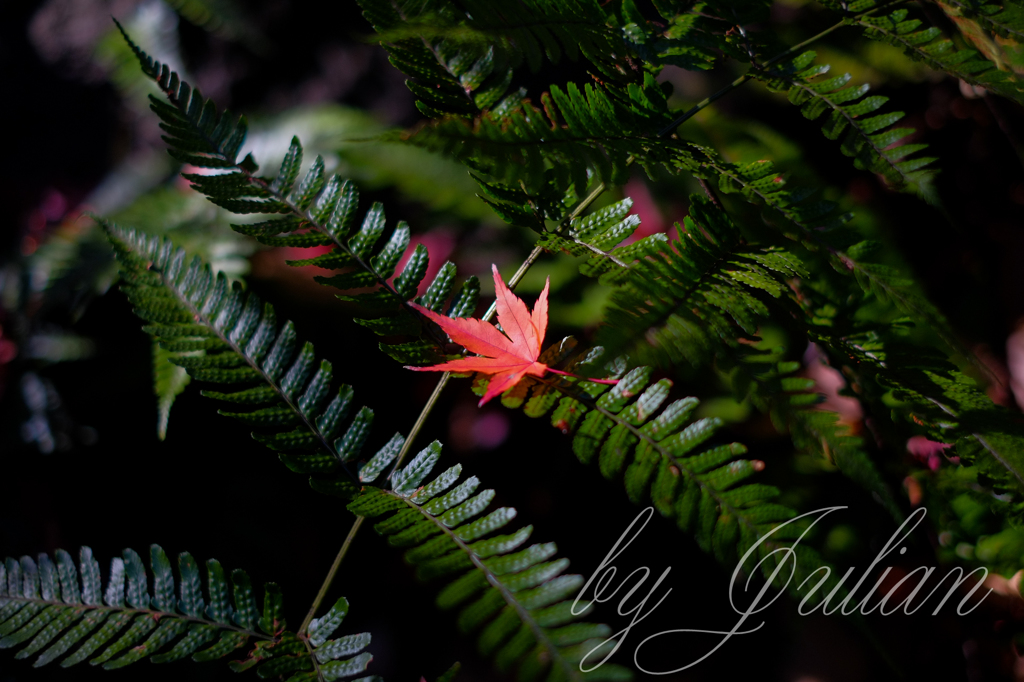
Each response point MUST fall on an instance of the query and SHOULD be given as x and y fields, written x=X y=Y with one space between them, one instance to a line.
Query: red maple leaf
x=507 y=358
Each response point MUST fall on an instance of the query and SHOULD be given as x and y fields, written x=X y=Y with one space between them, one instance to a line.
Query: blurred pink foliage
x=927 y=451
x=829 y=381
x=470 y=428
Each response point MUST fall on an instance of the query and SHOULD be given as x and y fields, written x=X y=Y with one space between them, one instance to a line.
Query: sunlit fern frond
x=930 y=47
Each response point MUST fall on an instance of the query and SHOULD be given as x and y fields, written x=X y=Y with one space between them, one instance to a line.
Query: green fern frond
x=223 y=335
x=315 y=656
x=697 y=302
x=195 y=131
x=692 y=39
x=517 y=206
x=702 y=292
x=579 y=132
x=773 y=386
x=537 y=29
x=940 y=400
x=656 y=449
x=516 y=599
x=62 y=612
x=659 y=454
x=937 y=52
x=695 y=35
x=454 y=69
x=316 y=210
x=871 y=141
x=461 y=57
x=599 y=234
x=703 y=299
x=365 y=258
x=820 y=432
x=820 y=228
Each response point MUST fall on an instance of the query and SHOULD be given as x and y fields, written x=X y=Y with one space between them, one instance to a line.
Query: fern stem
x=356 y=525
x=312 y=659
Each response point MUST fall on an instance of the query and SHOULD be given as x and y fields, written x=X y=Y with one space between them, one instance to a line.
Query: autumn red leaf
x=507 y=358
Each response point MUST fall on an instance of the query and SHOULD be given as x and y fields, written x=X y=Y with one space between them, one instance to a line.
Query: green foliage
x=705 y=299
x=461 y=56
x=632 y=432
x=593 y=130
x=62 y=612
x=317 y=210
x=929 y=46
x=940 y=401
x=515 y=598
x=870 y=141
x=223 y=335
x=802 y=216
x=706 y=290
x=684 y=306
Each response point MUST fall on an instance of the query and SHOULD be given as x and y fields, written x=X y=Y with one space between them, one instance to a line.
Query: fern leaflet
x=65 y=613
x=461 y=57
x=872 y=142
x=596 y=129
x=687 y=300
x=937 y=52
x=517 y=599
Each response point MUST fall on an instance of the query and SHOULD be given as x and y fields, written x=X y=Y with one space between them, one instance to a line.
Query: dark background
x=210 y=490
